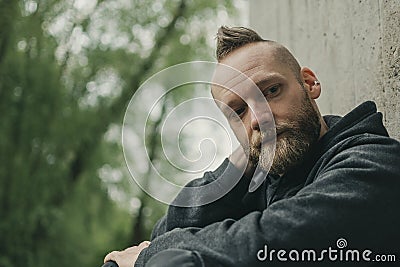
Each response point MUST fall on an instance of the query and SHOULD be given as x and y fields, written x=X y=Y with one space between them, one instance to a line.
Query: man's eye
x=272 y=91
x=237 y=113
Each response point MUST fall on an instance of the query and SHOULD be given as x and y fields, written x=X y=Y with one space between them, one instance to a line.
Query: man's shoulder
x=210 y=176
x=366 y=152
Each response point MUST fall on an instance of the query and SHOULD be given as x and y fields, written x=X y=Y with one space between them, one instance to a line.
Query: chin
x=266 y=158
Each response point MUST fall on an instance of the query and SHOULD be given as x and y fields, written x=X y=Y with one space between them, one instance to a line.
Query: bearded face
x=295 y=136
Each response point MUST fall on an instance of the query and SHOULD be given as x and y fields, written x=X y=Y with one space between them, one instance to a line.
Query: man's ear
x=311 y=83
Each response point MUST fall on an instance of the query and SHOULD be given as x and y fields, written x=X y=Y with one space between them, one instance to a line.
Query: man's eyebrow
x=227 y=107
x=267 y=79
x=259 y=81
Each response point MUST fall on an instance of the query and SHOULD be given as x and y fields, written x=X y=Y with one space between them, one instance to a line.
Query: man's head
x=230 y=39
x=289 y=90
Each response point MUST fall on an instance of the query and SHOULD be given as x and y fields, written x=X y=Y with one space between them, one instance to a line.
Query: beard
x=295 y=137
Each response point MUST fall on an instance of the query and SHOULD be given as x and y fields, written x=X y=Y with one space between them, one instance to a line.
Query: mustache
x=282 y=127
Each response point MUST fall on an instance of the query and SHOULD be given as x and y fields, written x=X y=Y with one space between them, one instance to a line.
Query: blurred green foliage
x=67 y=71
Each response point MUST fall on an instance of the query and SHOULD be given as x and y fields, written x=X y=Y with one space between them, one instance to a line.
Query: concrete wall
x=353 y=46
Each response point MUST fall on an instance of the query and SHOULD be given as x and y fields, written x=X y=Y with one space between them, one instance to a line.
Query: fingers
x=116 y=255
x=144 y=244
x=139 y=247
x=111 y=256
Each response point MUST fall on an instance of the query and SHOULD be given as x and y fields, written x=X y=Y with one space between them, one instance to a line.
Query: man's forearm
x=229 y=205
x=342 y=202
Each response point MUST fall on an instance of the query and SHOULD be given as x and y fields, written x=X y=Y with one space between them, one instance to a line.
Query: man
x=331 y=179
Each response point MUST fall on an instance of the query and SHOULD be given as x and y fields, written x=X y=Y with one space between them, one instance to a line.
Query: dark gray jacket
x=348 y=188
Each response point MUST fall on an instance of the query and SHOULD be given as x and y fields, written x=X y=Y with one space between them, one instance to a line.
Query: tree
x=67 y=72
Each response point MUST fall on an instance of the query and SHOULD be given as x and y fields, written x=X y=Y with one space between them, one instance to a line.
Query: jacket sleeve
x=228 y=206
x=355 y=196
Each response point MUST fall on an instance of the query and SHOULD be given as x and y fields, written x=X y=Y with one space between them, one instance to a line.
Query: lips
x=267 y=140
x=271 y=136
x=278 y=133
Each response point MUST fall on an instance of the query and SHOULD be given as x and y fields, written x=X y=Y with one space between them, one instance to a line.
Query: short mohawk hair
x=231 y=38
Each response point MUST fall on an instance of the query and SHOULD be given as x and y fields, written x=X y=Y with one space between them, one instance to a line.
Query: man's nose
x=261 y=117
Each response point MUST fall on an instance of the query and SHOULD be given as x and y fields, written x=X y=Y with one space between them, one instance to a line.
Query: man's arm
x=228 y=206
x=355 y=197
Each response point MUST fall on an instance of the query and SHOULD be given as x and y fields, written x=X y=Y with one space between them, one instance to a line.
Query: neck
x=324 y=127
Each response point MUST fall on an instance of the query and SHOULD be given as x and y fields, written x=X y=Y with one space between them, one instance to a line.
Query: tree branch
x=115 y=111
x=8 y=10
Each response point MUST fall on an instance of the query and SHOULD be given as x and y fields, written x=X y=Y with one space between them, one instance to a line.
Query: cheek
x=285 y=112
x=290 y=101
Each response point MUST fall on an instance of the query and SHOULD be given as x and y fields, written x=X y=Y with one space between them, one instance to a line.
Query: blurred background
x=67 y=72
x=69 y=68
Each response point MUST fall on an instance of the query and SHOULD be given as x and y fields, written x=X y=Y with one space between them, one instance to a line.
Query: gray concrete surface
x=353 y=46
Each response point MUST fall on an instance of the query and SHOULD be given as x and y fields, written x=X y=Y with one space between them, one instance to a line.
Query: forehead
x=246 y=66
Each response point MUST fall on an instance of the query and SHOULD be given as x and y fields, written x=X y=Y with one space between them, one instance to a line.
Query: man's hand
x=127 y=257
x=241 y=161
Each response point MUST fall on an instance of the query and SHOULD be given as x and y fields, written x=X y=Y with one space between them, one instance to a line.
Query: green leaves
x=67 y=72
